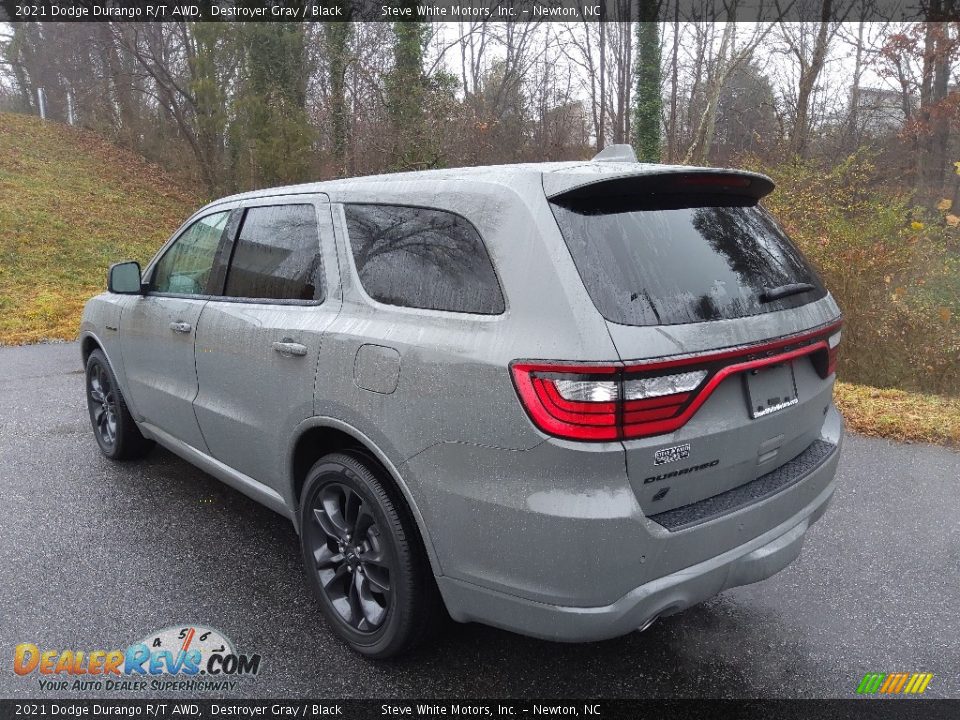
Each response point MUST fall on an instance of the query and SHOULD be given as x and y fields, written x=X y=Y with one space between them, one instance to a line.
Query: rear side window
x=277 y=255
x=422 y=258
x=666 y=261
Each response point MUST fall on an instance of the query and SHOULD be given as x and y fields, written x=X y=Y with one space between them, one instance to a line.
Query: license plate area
x=770 y=389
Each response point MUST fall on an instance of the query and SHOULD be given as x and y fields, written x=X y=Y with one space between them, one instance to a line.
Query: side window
x=185 y=268
x=422 y=258
x=277 y=255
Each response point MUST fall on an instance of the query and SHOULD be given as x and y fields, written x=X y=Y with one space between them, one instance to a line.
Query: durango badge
x=682 y=471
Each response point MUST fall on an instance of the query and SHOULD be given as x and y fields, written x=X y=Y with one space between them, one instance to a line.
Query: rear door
x=723 y=329
x=157 y=331
x=259 y=339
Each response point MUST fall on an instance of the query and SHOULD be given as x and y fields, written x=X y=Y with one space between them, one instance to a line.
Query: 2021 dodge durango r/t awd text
x=563 y=399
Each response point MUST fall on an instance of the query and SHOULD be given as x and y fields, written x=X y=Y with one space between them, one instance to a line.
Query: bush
x=893 y=269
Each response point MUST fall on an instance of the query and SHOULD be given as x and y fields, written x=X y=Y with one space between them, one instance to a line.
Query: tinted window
x=185 y=267
x=662 y=262
x=422 y=259
x=277 y=255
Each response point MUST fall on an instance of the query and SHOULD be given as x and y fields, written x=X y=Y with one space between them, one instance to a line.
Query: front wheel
x=116 y=432
x=364 y=559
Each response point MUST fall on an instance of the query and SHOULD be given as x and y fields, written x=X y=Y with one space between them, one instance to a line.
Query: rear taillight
x=650 y=401
x=618 y=401
x=833 y=349
x=570 y=401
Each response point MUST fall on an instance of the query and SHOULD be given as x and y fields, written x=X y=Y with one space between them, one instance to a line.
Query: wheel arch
x=88 y=343
x=319 y=436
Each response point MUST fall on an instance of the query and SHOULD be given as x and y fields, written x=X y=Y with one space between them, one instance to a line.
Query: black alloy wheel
x=350 y=557
x=364 y=558
x=102 y=401
x=114 y=428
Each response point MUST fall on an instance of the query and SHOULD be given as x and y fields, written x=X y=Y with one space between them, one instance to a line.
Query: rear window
x=672 y=260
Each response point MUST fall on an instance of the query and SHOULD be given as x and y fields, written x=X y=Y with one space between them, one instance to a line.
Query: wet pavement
x=96 y=555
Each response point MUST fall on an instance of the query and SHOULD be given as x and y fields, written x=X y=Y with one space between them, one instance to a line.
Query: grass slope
x=71 y=204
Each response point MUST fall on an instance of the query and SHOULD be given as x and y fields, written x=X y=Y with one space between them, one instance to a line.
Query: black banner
x=892 y=709
x=469 y=10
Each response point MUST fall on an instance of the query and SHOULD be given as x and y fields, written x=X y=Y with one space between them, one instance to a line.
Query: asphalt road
x=95 y=555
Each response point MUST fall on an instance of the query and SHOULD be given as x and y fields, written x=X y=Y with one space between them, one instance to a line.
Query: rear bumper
x=755 y=560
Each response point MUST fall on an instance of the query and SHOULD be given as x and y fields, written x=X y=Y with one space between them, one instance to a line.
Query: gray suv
x=563 y=399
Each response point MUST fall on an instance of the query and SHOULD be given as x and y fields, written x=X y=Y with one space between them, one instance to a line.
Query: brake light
x=833 y=349
x=615 y=401
x=649 y=401
x=570 y=401
x=712 y=180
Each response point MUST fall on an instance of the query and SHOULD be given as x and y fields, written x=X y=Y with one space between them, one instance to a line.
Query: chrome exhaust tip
x=648 y=623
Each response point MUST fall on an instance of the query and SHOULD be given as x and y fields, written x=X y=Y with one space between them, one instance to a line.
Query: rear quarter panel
x=451 y=420
x=454 y=382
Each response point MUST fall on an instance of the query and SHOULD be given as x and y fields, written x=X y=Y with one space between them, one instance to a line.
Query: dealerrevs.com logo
x=185 y=658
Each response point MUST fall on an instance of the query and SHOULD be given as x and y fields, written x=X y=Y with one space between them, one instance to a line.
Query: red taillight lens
x=619 y=401
x=573 y=402
x=833 y=349
x=652 y=402
x=601 y=402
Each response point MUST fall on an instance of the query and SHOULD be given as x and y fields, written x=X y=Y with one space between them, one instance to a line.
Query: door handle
x=181 y=327
x=289 y=348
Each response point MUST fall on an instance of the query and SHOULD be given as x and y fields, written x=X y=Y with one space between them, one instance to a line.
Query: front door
x=157 y=331
x=258 y=344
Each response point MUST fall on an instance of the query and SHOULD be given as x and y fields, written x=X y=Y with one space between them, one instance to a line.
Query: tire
x=116 y=432
x=364 y=559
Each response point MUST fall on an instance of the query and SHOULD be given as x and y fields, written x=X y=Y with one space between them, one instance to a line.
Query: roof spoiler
x=616 y=153
x=664 y=179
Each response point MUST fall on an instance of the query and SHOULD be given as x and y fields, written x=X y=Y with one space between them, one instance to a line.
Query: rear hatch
x=724 y=330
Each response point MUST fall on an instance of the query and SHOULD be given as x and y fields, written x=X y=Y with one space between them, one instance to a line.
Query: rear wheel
x=364 y=559
x=113 y=426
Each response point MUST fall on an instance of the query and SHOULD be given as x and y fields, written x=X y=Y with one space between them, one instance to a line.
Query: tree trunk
x=647 y=100
x=601 y=131
x=940 y=127
x=703 y=137
x=338 y=35
x=808 y=78
x=673 y=141
x=853 y=122
x=405 y=94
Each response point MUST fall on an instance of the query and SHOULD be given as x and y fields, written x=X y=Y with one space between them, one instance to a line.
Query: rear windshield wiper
x=777 y=293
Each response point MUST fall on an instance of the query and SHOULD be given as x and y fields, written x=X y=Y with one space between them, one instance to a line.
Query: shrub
x=893 y=269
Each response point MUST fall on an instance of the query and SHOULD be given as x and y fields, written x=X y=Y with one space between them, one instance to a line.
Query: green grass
x=71 y=204
x=900 y=415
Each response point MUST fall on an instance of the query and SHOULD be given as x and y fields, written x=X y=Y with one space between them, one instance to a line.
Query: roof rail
x=616 y=153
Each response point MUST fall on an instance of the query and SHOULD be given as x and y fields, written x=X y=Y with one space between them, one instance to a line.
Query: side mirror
x=124 y=278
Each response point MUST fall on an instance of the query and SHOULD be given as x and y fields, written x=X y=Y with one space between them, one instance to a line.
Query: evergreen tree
x=337 y=36
x=273 y=130
x=647 y=101
x=406 y=95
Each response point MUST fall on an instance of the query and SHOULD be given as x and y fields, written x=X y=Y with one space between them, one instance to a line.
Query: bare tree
x=808 y=44
x=728 y=57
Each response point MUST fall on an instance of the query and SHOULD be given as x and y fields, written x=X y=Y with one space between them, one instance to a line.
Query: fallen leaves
x=899 y=415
